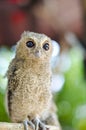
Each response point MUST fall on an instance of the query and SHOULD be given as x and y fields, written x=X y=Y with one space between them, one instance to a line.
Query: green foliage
x=71 y=100
x=6 y=55
x=3 y=114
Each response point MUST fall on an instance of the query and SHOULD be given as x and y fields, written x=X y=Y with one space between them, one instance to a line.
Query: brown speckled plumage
x=29 y=79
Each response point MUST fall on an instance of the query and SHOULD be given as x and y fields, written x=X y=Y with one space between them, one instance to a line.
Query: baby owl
x=29 y=80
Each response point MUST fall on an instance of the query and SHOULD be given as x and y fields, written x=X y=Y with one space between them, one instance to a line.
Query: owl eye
x=30 y=44
x=46 y=46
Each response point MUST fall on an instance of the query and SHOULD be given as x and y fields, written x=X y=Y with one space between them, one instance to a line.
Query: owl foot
x=39 y=125
x=26 y=123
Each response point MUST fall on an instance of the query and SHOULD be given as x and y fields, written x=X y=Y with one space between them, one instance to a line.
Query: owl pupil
x=30 y=44
x=46 y=46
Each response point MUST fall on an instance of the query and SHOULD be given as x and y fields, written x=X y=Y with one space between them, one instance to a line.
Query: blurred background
x=64 y=22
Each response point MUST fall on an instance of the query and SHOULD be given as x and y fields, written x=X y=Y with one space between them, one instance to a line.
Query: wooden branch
x=20 y=126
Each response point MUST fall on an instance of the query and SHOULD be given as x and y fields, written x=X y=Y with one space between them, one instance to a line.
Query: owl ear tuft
x=56 y=48
x=24 y=33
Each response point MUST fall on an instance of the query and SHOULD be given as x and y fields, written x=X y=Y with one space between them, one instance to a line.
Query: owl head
x=34 y=46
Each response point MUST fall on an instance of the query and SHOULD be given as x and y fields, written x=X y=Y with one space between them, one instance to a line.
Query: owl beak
x=38 y=54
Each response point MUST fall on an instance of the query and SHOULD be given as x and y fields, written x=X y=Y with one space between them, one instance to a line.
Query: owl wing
x=12 y=83
x=11 y=75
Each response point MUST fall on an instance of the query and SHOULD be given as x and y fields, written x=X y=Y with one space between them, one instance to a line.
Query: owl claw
x=36 y=124
x=39 y=125
x=26 y=123
x=42 y=125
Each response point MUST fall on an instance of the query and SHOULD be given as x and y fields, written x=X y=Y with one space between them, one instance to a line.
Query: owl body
x=29 y=78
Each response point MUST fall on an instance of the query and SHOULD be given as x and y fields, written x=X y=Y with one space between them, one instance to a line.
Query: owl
x=29 y=79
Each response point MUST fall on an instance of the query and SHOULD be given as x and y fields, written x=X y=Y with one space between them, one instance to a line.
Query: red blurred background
x=53 y=18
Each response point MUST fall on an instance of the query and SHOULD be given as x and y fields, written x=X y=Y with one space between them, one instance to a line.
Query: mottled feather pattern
x=29 y=78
